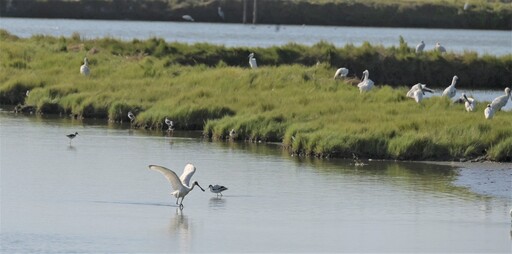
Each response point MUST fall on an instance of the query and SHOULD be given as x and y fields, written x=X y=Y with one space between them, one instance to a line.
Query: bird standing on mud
x=181 y=185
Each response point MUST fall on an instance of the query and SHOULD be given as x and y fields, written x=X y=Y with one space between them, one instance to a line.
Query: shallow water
x=457 y=40
x=97 y=195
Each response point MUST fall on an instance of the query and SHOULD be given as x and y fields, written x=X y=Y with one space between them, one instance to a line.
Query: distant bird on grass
x=188 y=18
x=169 y=123
x=181 y=185
x=489 y=112
x=417 y=91
x=84 y=69
x=450 y=91
x=252 y=61
x=469 y=103
x=217 y=189
x=341 y=73
x=420 y=47
x=72 y=136
x=499 y=102
x=440 y=48
x=366 y=84
x=131 y=116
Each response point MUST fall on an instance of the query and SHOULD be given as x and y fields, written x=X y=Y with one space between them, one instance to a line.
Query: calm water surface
x=97 y=195
x=458 y=40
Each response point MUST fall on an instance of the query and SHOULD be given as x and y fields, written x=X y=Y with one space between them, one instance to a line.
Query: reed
x=298 y=105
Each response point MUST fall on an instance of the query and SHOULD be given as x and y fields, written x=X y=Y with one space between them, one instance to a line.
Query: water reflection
x=217 y=203
x=179 y=227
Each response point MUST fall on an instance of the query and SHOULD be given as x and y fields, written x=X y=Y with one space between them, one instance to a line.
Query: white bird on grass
x=181 y=185
x=170 y=124
x=440 y=48
x=500 y=101
x=341 y=72
x=489 y=112
x=218 y=189
x=450 y=91
x=84 y=69
x=252 y=61
x=420 y=47
x=188 y=18
x=417 y=91
x=366 y=84
x=469 y=103
x=72 y=136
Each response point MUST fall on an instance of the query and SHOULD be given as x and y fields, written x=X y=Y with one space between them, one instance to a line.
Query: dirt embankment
x=347 y=13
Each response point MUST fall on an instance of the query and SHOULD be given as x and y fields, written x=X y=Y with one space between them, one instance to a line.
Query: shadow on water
x=135 y=203
x=179 y=226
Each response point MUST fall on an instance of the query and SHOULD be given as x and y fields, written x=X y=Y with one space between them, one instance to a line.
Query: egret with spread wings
x=181 y=185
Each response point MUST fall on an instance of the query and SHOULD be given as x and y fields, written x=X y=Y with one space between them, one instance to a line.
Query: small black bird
x=72 y=136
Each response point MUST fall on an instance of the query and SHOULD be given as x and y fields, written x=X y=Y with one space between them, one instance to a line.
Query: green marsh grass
x=299 y=105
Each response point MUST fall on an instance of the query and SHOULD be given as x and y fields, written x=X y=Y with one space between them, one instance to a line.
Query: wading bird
x=218 y=189
x=221 y=13
x=500 y=101
x=366 y=83
x=252 y=61
x=450 y=91
x=440 y=48
x=469 y=103
x=420 y=47
x=72 y=136
x=131 y=116
x=170 y=124
x=187 y=18
x=84 y=69
x=489 y=112
x=181 y=185
x=341 y=72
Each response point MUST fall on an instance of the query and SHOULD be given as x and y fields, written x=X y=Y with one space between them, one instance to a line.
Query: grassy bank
x=395 y=13
x=300 y=106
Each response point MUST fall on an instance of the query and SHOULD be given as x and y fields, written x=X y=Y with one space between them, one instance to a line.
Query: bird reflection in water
x=217 y=202
x=179 y=227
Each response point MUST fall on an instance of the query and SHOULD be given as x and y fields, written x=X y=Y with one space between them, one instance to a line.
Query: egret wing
x=188 y=172
x=169 y=174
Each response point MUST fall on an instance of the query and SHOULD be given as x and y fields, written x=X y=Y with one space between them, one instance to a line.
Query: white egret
x=489 y=112
x=181 y=185
x=72 y=136
x=84 y=69
x=420 y=47
x=188 y=18
x=366 y=84
x=341 y=72
x=252 y=61
x=131 y=116
x=469 y=103
x=500 y=101
x=221 y=13
x=218 y=189
x=450 y=91
x=440 y=48
x=169 y=123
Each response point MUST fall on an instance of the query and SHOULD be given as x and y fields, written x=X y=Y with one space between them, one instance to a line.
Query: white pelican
x=366 y=84
x=440 y=48
x=170 y=124
x=450 y=91
x=420 y=47
x=416 y=87
x=469 y=103
x=84 y=69
x=218 y=189
x=72 y=136
x=500 y=101
x=252 y=61
x=221 y=13
x=188 y=18
x=131 y=116
x=489 y=112
x=181 y=185
x=341 y=72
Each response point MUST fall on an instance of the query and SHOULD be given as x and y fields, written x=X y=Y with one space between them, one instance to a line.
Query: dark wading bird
x=72 y=136
x=181 y=185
